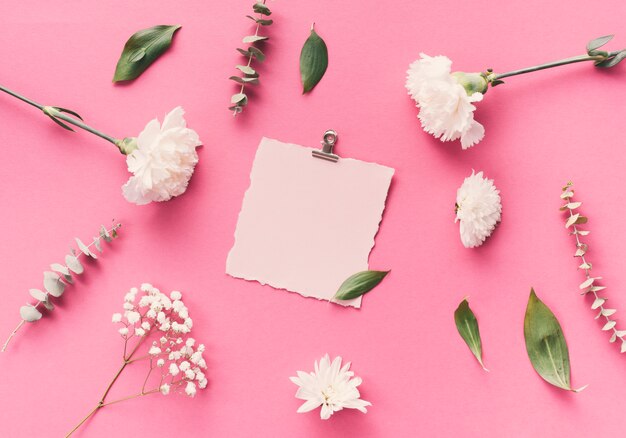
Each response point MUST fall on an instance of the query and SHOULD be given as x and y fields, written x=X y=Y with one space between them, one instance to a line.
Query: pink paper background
x=541 y=131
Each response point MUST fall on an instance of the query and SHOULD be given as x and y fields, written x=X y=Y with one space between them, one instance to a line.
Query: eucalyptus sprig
x=59 y=277
x=591 y=284
x=250 y=76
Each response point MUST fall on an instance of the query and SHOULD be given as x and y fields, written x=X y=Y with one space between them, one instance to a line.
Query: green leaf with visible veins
x=313 y=61
x=545 y=344
x=142 y=49
x=467 y=325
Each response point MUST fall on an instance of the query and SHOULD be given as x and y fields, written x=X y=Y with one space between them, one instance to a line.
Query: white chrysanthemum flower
x=163 y=161
x=117 y=317
x=445 y=104
x=478 y=208
x=329 y=386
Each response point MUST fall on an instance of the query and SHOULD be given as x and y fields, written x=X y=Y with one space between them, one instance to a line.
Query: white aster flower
x=478 y=208
x=163 y=161
x=329 y=386
x=445 y=99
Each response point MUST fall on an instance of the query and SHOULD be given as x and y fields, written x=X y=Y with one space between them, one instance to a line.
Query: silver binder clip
x=328 y=143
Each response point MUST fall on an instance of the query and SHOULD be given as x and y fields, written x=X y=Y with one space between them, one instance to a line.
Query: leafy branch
x=60 y=276
x=249 y=75
x=590 y=285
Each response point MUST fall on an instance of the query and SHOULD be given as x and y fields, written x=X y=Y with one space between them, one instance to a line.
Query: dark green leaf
x=612 y=61
x=65 y=110
x=545 y=344
x=254 y=38
x=262 y=9
x=313 y=61
x=467 y=325
x=142 y=49
x=359 y=284
x=497 y=82
x=598 y=42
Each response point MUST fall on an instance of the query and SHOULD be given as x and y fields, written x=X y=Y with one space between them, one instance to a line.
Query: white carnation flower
x=445 y=99
x=163 y=161
x=478 y=208
x=329 y=386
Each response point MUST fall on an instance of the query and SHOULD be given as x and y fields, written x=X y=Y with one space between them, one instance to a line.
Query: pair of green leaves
x=611 y=59
x=142 y=49
x=545 y=342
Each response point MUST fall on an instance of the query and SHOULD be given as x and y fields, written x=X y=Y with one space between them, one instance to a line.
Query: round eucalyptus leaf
x=53 y=284
x=38 y=295
x=29 y=313
x=72 y=262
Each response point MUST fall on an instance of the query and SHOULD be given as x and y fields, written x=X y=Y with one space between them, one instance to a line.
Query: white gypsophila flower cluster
x=446 y=109
x=181 y=362
x=478 y=209
x=163 y=161
x=329 y=386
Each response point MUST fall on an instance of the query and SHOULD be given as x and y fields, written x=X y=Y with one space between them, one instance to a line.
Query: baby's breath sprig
x=250 y=75
x=590 y=285
x=150 y=314
x=60 y=276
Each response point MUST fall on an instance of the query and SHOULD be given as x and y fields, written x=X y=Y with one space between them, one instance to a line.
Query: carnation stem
x=57 y=113
x=572 y=60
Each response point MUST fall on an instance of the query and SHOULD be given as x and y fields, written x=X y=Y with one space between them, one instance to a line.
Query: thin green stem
x=572 y=60
x=20 y=97
x=77 y=122
x=57 y=114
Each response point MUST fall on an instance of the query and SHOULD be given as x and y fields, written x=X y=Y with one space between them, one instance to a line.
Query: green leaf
x=359 y=284
x=545 y=344
x=253 y=81
x=262 y=9
x=261 y=21
x=246 y=69
x=467 y=325
x=612 y=61
x=142 y=49
x=598 y=42
x=239 y=99
x=53 y=284
x=260 y=56
x=313 y=61
x=254 y=38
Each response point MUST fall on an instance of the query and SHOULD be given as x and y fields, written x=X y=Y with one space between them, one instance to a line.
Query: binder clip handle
x=328 y=143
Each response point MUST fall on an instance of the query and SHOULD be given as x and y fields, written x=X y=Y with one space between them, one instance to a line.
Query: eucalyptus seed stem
x=572 y=60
